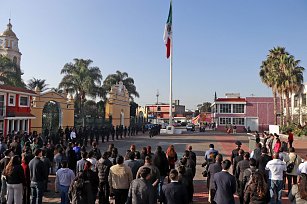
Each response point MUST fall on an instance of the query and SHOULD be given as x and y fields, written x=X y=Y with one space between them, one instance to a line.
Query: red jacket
x=290 y=138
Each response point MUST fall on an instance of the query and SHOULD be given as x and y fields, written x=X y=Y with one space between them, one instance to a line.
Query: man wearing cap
x=141 y=190
x=235 y=152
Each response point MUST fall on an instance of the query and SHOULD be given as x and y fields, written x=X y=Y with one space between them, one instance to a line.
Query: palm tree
x=40 y=83
x=10 y=73
x=292 y=80
x=268 y=76
x=282 y=73
x=113 y=79
x=82 y=80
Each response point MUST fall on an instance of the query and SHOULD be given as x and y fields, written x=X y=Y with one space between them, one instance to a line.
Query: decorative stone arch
x=117 y=106
x=66 y=108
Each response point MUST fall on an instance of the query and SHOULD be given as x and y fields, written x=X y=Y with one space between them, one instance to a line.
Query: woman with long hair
x=298 y=193
x=256 y=191
x=171 y=156
x=15 y=179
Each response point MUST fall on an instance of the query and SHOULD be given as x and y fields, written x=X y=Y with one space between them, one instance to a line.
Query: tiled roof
x=16 y=89
x=230 y=100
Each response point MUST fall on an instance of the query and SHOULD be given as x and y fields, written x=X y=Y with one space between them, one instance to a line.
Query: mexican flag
x=168 y=32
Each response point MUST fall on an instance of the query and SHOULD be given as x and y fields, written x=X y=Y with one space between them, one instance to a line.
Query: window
x=295 y=100
x=159 y=108
x=24 y=101
x=225 y=108
x=2 y=107
x=303 y=99
x=225 y=121
x=238 y=121
x=238 y=108
x=12 y=100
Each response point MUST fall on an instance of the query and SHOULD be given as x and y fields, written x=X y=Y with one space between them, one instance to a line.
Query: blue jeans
x=37 y=191
x=276 y=191
x=64 y=194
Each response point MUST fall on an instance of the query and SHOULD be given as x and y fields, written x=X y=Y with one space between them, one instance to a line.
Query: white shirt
x=302 y=168
x=72 y=135
x=276 y=168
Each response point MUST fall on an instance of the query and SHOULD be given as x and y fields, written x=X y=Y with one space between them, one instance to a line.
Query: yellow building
x=117 y=106
x=65 y=105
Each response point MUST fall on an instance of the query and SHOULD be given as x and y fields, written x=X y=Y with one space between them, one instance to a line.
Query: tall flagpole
x=171 y=77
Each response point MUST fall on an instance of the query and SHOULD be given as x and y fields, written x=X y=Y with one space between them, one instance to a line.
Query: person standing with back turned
x=37 y=173
x=225 y=185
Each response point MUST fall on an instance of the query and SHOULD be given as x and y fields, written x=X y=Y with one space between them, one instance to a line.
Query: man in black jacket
x=174 y=192
x=103 y=166
x=242 y=165
x=37 y=169
x=213 y=169
x=225 y=185
x=160 y=161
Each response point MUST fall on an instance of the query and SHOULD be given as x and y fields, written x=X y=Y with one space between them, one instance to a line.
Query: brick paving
x=200 y=142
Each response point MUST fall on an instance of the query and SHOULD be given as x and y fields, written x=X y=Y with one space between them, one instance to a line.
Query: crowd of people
x=259 y=176
x=84 y=173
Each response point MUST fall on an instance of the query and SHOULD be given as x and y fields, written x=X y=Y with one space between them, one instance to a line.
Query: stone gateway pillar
x=117 y=106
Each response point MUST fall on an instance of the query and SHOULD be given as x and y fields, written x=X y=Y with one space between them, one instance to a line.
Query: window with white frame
x=225 y=121
x=12 y=99
x=23 y=101
x=238 y=108
x=225 y=108
x=238 y=121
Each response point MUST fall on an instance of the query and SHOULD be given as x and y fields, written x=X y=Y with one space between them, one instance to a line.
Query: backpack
x=290 y=166
x=248 y=182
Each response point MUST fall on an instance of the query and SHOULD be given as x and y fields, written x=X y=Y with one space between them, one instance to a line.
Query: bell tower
x=9 y=45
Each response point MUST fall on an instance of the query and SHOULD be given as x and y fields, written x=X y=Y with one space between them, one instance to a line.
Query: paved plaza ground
x=224 y=143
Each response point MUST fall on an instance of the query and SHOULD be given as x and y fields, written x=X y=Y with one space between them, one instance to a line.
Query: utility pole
x=157 y=95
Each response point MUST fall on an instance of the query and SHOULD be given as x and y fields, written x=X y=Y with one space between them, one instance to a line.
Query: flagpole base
x=170 y=130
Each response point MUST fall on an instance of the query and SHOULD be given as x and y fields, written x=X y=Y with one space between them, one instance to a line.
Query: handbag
x=290 y=166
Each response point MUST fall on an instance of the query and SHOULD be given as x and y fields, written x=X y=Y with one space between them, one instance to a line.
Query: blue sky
x=218 y=45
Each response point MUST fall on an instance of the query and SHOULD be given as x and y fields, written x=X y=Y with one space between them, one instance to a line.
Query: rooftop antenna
x=157 y=95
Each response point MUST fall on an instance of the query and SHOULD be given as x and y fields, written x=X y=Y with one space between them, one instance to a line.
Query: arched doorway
x=51 y=116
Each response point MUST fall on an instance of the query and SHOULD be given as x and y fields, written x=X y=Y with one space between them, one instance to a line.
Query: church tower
x=9 y=45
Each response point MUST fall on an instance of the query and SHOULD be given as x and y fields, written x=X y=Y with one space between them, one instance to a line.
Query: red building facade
x=15 y=109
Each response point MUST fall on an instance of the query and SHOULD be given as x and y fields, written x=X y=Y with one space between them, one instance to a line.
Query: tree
x=205 y=107
x=40 y=83
x=10 y=73
x=113 y=79
x=281 y=72
x=82 y=80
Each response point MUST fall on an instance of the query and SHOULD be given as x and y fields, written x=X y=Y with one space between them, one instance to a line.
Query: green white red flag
x=168 y=32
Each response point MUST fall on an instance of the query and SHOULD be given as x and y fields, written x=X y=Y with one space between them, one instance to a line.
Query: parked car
x=190 y=127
